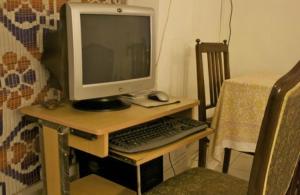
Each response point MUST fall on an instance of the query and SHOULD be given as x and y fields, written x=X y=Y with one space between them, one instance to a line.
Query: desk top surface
x=100 y=123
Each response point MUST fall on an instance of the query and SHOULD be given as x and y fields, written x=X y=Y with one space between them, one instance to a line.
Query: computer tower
x=120 y=172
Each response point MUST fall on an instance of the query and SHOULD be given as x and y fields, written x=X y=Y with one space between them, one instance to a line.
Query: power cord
x=164 y=32
x=230 y=20
x=220 y=22
x=163 y=36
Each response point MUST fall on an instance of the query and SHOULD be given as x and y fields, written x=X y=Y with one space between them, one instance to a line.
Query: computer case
x=120 y=172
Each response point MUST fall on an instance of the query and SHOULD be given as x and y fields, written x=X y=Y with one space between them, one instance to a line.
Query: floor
x=240 y=165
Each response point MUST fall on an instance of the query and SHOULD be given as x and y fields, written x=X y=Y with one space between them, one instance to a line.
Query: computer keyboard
x=154 y=134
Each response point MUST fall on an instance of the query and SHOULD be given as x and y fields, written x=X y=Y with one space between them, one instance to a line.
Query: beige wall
x=265 y=38
x=265 y=35
x=188 y=20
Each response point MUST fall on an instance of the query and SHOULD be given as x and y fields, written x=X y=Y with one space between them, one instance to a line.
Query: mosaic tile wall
x=23 y=81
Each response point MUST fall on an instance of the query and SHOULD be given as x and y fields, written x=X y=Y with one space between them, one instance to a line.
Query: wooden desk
x=56 y=138
x=239 y=113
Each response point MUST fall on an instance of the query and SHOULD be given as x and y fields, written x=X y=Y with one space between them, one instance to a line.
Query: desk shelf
x=96 y=185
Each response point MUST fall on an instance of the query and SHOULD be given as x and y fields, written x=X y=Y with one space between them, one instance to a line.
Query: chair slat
x=214 y=78
x=200 y=85
x=210 y=77
x=214 y=65
x=226 y=65
x=221 y=67
x=218 y=79
x=213 y=47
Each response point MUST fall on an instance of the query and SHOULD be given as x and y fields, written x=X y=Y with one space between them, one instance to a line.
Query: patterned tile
x=18 y=79
x=23 y=81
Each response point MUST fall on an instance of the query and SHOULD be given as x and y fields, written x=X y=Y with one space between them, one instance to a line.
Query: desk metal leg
x=138 y=180
x=42 y=157
x=64 y=159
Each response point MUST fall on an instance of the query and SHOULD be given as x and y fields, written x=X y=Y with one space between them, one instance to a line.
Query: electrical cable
x=164 y=32
x=162 y=40
x=220 y=24
x=174 y=173
x=230 y=20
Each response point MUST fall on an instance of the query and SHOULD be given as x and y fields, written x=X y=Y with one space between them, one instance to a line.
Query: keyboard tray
x=154 y=134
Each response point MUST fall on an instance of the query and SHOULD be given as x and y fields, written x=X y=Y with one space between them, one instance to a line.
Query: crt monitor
x=100 y=52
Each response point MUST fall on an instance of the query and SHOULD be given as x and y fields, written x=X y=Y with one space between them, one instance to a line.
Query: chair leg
x=203 y=143
x=226 y=161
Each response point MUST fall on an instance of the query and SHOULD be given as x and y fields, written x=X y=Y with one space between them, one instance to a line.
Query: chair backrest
x=278 y=147
x=218 y=71
x=295 y=183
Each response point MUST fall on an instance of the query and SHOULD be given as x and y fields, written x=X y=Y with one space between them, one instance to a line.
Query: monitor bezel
x=79 y=91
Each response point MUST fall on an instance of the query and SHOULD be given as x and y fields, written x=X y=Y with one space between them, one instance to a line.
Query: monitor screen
x=114 y=47
x=111 y=50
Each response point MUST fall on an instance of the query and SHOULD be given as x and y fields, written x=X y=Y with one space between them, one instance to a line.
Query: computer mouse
x=158 y=96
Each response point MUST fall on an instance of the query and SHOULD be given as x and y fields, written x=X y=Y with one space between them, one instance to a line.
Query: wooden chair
x=218 y=71
x=276 y=156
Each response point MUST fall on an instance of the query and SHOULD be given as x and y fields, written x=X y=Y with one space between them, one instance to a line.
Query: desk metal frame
x=56 y=140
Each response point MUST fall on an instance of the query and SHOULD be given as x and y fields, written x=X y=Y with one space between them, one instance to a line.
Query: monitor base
x=101 y=104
